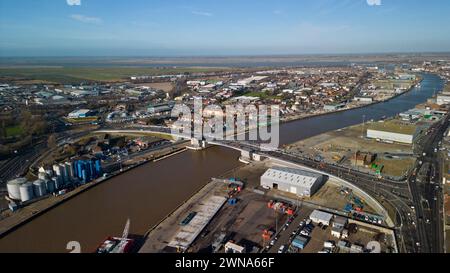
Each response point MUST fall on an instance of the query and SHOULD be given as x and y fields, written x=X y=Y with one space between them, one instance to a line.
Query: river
x=148 y=193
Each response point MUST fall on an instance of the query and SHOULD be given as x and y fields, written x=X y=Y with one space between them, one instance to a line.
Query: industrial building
x=300 y=242
x=82 y=113
x=160 y=109
x=333 y=107
x=363 y=99
x=362 y=159
x=338 y=228
x=233 y=248
x=393 y=131
x=443 y=99
x=321 y=217
x=411 y=115
x=296 y=181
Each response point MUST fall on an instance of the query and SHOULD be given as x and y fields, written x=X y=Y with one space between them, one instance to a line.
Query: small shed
x=318 y=216
x=300 y=242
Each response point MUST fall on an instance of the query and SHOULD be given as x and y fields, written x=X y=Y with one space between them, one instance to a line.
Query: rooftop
x=80 y=111
x=205 y=212
x=292 y=176
x=394 y=126
x=318 y=214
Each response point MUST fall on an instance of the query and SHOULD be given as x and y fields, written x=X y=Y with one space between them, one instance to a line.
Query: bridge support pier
x=249 y=156
x=198 y=145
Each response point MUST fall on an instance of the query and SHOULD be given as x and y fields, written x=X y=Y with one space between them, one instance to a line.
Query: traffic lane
x=421 y=229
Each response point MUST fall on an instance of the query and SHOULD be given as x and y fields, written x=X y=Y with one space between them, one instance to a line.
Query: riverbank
x=34 y=210
x=149 y=193
x=299 y=117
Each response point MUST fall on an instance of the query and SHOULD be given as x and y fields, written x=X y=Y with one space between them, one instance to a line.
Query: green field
x=13 y=131
x=82 y=120
x=66 y=75
x=261 y=95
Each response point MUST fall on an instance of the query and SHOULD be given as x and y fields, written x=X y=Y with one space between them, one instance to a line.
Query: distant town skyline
x=232 y=27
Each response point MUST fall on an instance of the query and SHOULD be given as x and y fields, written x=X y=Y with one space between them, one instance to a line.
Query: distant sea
x=217 y=61
x=103 y=62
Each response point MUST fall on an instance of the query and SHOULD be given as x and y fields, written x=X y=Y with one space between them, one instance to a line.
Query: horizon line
x=231 y=55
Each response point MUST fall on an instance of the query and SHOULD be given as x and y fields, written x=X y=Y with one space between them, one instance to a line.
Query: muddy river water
x=148 y=193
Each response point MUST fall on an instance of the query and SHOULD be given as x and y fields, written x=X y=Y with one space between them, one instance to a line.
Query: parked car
x=305 y=233
x=282 y=249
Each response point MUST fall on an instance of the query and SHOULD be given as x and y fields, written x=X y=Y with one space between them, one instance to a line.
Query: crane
x=124 y=239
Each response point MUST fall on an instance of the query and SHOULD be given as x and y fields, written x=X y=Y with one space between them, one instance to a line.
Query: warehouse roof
x=394 y=126
x=80 y=112
x=321 y=215
x=292 y=176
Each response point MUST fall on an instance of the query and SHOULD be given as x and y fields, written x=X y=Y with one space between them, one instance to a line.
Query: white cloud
x=74 y=2
x=202 y=13
x=85 y=19
x=374 y=2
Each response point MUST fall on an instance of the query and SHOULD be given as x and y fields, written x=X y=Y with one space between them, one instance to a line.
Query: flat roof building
x=333 y=107
x=160 y=108
x=443 y=99
x=318 y=216
x=394 y=131
x=82 y=113
x=231 y=247
x=296 y=181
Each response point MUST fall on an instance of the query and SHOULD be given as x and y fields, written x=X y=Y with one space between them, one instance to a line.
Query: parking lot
x=318 y=236
x=286 y=231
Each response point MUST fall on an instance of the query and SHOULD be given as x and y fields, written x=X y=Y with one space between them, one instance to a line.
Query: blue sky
x=221 y=27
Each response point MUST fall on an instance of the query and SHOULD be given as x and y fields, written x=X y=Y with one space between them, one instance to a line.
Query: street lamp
x=364 y=125
x=120 y=162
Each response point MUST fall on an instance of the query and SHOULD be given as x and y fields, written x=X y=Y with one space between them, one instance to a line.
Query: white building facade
x=392 y=136
x=295 y=181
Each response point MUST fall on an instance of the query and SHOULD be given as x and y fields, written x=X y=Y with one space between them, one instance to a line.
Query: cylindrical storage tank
x=98 y=167
x=84 y=176
x=50 y=186
x=26 y=192
x=64 y=172
x=91 y=170
x=43 y=176
x=57 y=170
x=71 y=172
x=80 y=168
x=13 y=187
x=50 y=173
x=57 y=181
x=40 y=188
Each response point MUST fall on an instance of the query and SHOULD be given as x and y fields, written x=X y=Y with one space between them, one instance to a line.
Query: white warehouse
x=393 y=131
x=296 y=181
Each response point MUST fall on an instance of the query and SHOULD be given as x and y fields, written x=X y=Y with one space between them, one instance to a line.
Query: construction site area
x=350 y=147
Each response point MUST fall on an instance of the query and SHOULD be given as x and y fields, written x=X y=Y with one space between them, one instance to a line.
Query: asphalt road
x=426 y=189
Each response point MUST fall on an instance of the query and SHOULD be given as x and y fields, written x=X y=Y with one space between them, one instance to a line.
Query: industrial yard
x=248 y=218
x=339 y=147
